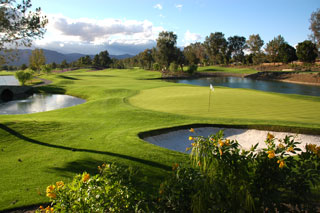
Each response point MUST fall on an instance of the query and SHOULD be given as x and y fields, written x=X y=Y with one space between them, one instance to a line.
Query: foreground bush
x=234 y=180
x=221 y=178
x=109 y=191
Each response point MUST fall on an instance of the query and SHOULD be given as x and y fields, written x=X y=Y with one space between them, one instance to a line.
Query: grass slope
x=39 y=149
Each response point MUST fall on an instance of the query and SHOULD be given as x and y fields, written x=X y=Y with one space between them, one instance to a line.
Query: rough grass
x=39 y=149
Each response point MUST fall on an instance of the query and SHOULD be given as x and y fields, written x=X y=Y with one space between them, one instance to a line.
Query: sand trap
x=178 y=140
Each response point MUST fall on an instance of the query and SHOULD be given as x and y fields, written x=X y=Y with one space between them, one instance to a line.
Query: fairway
x=39 y=149
x=232 y=104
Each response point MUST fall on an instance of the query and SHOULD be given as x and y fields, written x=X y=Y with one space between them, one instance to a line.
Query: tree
x=254 y=43
x=96 y=61
x=273 y=48
x=104 y=59
x=18 y=26
x=24 y=75
x=307 y=51
x=287 y=53
x=46 y=69
x=315 y=27
x=23 y=67
x=166 y=51
x=180 y=58
x=216 y=46
x=190 y=54
x=146 y=57
x=64 y=64
x=37 y=59
x=236 y=45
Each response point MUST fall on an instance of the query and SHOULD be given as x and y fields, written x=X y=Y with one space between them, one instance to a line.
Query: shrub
x=46 y=69
x=109 y=191
x=247 y=181
x=192 y=69
x=24 y=75
x=173 y=67
x=156 y=66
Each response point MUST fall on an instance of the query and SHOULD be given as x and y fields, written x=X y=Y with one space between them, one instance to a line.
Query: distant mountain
x=54 y=56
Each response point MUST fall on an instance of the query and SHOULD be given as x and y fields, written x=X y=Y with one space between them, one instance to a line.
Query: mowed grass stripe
x=230 y=103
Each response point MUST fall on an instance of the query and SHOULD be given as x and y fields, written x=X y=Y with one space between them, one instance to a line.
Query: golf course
x=39 y=149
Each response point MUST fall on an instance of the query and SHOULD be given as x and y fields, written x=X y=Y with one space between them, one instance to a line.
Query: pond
x=39 y=103
x=9 y=80
x=268 y=86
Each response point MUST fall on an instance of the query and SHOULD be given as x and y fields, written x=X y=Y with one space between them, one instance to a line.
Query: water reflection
x=9 y=80
x=39 y=103
x=269 y=86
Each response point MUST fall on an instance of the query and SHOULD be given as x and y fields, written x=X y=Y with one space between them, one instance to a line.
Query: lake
x=39 y=103
x=8 y=80
x=239 y=82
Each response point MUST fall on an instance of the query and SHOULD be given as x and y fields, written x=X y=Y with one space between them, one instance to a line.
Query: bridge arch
x=6 y=95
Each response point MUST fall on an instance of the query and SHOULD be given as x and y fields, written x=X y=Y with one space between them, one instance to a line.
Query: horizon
x=131 y=26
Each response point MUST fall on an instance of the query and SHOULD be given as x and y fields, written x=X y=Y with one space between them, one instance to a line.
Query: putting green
x=230 y=103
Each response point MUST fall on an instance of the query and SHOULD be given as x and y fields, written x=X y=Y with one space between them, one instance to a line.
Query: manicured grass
x=39 y=149
x=227 y=70
x=233 y=104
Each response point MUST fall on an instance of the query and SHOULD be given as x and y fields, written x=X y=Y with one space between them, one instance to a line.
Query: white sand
x=179 y=140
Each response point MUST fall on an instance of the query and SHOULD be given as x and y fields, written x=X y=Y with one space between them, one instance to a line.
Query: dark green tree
x=307 y=51
x=104 y=59
x=180 y=58
x=236 y=46
x=287 y=53
x=146 y=57
x=23 y=67
x=273 y=48
x=96 y=61
x=166 y=48
x=190 y=53
x=216 y=46
x=18 y=26
x=64 y=64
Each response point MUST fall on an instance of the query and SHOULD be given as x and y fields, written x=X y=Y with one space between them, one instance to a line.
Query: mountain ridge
x=54 y=56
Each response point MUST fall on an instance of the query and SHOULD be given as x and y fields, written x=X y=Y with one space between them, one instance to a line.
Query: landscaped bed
x=39 y=149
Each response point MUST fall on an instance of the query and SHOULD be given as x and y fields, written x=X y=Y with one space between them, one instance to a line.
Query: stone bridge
x=8 y=93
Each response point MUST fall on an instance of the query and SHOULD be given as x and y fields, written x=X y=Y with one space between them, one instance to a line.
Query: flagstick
x=209 y=100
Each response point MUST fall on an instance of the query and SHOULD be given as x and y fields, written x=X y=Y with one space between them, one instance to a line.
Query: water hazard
x=268 y=86
x=9 y=80
x=39 y=103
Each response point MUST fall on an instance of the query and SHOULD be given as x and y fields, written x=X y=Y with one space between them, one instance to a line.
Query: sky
x=130 y=26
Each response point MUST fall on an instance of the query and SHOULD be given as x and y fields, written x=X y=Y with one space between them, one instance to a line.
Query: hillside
x=54 y=56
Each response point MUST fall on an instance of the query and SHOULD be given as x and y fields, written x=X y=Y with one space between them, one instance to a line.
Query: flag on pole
x=211 y=87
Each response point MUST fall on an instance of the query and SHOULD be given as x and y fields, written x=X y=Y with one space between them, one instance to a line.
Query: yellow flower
x=220 y=151
x=190 y=138
x=271 y=154
x=59 y=184
x=281 y=146
x=281 y=163
x=199 y=163
x=227 y=142
x=50 y=191
x=221 y=143
x=85 y=177
x=270 y=136
x=191 y=130
x=193 y=144
x=188 y=148
x=290 y=149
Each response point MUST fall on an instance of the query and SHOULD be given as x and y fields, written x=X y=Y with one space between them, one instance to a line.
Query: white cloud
x=179 y=6
x=69 y=33
x=191 y=37
x=158 y=6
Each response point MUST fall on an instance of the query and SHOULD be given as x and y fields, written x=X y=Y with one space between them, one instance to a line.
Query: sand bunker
x=178 y=140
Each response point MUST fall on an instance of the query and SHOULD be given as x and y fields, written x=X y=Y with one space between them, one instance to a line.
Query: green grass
x=227 y=70
x=39 y=149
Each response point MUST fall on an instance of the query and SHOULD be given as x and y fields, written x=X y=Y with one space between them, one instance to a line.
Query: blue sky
x=130 y=26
